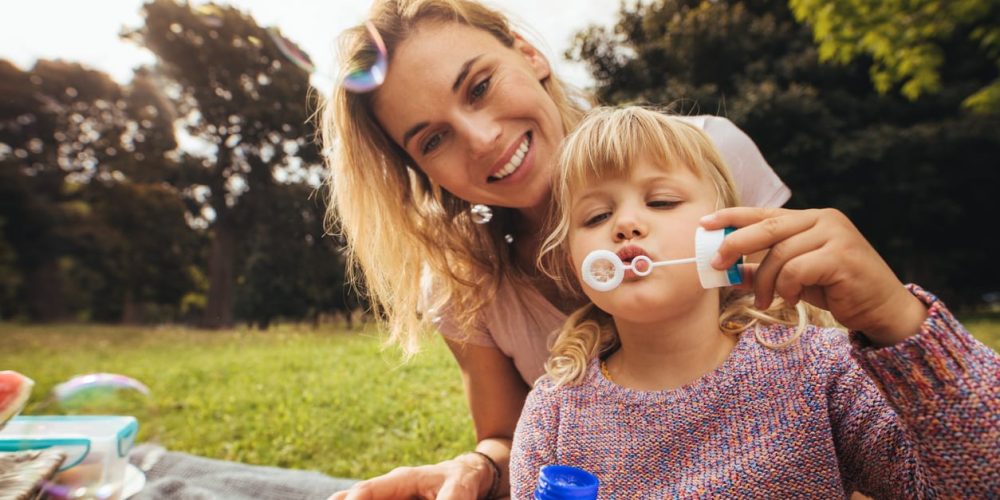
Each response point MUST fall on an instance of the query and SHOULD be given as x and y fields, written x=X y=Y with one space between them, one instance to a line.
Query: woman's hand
x=820 y=257
x=466 y=477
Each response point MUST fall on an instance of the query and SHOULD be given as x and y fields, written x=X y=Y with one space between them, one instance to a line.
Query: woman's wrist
x=487 y=470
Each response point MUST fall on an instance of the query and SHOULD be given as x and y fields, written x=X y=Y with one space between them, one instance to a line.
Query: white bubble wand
x=603 y=270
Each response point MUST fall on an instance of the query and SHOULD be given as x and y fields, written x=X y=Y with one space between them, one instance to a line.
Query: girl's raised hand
x=820 y=257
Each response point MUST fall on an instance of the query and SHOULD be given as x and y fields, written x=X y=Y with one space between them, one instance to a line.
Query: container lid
x=72 y=434
x=558 y=482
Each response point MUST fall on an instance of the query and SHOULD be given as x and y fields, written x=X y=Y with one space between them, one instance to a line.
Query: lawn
x=292 y=397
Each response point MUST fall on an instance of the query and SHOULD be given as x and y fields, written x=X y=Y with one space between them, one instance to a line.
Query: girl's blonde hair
x=399 y=225
x=605 y=145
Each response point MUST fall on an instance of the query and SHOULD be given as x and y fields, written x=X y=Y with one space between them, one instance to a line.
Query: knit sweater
x=821 y=419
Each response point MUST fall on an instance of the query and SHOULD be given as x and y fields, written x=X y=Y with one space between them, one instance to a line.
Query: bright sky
x=87 y=32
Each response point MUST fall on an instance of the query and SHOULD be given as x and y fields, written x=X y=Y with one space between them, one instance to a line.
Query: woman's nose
x=483 y=133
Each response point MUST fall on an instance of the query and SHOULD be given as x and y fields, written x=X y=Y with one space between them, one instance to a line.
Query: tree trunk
x=131 y=314
x=219 y=308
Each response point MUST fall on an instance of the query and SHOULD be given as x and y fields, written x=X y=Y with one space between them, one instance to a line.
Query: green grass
x=291 y=397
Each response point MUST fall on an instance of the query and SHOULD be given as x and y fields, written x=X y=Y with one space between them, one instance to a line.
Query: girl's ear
x=535 y=59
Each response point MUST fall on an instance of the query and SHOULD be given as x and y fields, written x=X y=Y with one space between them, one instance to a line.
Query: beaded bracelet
x=495 y=485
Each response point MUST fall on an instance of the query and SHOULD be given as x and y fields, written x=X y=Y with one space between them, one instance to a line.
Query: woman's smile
x=512 y=161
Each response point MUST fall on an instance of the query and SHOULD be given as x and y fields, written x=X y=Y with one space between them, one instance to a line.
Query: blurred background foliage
x=192 y=194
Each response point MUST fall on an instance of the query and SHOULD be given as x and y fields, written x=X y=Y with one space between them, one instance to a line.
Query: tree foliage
x=911 y=174
x=189 y=190
x=246 y=103
x=909 y=40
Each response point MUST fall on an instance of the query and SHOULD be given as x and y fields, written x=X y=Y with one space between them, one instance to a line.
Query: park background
x=170 y=225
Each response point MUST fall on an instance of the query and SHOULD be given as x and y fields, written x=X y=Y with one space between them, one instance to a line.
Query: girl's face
x=473 y=114
x=653 y=212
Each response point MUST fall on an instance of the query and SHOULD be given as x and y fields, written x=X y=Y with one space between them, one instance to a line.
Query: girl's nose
x=628 y=227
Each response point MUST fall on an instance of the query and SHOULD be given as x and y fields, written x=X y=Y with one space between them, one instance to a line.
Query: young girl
x=664 y=389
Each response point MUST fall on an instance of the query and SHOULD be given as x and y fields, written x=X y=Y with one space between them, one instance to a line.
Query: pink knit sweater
x=818 y=420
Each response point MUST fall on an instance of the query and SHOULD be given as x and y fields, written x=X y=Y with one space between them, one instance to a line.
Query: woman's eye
x=597 y=219
x=431 y=144
x=479 y=89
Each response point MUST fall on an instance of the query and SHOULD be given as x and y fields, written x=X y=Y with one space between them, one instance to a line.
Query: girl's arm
x=922 y=417
x=943 y=385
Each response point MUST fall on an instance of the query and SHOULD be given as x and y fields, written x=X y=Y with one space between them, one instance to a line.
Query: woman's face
x=473 y=114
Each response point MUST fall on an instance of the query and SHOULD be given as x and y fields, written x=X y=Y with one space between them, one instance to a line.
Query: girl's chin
x=642 y=305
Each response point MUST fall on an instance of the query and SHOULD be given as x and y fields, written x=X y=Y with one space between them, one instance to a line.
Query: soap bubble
x=481 y=214
x=369 y=76
x=101 y=392
x=291 y=51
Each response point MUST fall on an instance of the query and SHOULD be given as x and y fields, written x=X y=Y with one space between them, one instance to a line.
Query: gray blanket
x=180 y=476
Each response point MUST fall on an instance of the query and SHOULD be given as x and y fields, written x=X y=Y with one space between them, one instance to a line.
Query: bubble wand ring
x=604 y=270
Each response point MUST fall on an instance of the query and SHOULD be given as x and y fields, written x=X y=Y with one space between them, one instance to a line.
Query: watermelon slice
x=14 y=391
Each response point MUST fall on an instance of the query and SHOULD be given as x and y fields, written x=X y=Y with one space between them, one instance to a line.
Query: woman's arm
x=496 y=394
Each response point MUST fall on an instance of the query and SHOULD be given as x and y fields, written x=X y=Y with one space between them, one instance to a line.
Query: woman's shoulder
x=709 y=123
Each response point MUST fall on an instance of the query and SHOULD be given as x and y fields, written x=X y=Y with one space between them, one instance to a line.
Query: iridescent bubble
x=370 y=75
x=481 y=214
x=100 y=392
x=291 y=51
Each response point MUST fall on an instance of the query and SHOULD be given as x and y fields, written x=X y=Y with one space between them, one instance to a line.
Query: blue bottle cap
x=562 y=482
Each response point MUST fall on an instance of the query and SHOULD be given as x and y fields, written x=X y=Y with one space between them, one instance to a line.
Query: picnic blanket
x=180 y=476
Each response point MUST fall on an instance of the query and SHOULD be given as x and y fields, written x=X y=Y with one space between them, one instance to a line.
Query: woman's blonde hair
x=399 y=225
x=606 y=145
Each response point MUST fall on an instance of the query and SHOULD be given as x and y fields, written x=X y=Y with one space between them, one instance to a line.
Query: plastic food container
x=96 y=448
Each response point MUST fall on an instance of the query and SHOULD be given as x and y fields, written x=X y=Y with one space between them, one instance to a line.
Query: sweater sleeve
x=942 y=435
x=534 y=439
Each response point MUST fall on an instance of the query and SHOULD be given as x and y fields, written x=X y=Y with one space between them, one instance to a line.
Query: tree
x=244 y=101
x=291 y=269
x=910 y=174
x=59 y=123
x=85 y=188
x=908 y=40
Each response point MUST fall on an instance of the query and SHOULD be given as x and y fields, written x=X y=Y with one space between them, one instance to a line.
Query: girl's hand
x=820 y=257
x=465 y=477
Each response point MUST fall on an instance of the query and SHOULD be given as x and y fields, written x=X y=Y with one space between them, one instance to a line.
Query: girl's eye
x=662 y=203
x=597 y=219
x=431 y=144
x=479 y=89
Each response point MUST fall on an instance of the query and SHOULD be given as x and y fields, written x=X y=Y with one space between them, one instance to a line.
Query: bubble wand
x=603 y=270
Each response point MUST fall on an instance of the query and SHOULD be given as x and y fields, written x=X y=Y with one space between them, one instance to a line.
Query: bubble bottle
x=562 y=482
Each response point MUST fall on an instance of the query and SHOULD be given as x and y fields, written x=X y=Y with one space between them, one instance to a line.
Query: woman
x=469 y=113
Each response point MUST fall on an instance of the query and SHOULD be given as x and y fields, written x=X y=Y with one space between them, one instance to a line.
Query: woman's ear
x=539 y=64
